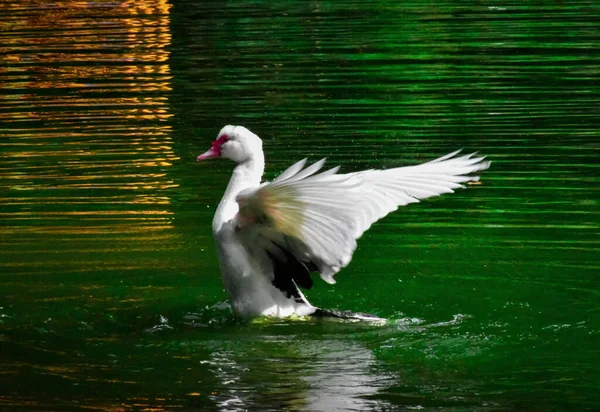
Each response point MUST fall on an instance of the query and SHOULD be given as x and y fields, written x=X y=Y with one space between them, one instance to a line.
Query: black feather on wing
x=290 y=272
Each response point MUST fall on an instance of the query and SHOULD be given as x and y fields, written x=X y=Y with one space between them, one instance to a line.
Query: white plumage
x=270 y=236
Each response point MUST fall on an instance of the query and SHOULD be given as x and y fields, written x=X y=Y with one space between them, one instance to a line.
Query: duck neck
x=246 y=175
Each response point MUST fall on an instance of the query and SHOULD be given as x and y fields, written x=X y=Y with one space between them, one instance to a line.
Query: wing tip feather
x=328 y=278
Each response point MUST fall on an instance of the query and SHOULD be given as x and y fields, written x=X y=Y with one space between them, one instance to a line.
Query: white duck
x=270 y=236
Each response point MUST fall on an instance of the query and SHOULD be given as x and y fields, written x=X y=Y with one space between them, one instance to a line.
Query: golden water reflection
x=84 y=94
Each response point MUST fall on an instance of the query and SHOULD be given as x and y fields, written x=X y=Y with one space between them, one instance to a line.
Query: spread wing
x=318 y=217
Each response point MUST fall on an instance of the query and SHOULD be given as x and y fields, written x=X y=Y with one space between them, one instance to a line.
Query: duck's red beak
x=212 y=152
x=215 y=149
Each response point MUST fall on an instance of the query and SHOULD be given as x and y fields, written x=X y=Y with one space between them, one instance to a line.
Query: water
x=111 y=296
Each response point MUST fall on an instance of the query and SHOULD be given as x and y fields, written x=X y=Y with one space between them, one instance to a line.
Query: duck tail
x=345 y=314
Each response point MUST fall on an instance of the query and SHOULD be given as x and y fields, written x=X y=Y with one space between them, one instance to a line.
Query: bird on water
x=271 y=236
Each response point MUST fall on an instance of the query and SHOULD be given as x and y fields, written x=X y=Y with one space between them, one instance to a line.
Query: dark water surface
x=110 y=290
